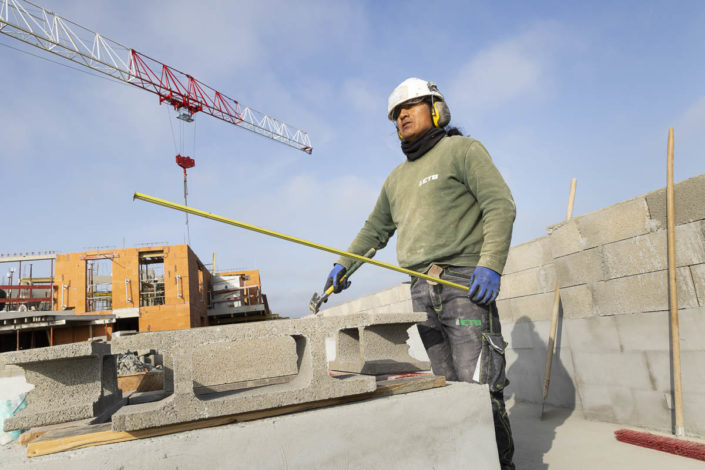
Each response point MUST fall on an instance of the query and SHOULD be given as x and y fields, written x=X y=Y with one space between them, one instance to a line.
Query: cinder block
x=618 y=222
x=648 y=253
x=528 y=255
x=580 y=268
x=576 y=301
x=536 y=307
x=71 y=382
x=642 y=293
x=565 y=239
x=217 y=365
x=616 y=369
x=698 y=273
x=689 y=197
x=528 y=282
x=311 y=383
x=592 y=335
x=376 y=349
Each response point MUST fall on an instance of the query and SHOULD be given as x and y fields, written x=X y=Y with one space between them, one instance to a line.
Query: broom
x=675 y=446
x=694 y=450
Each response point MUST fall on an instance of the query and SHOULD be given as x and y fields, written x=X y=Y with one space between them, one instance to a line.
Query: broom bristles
x=693 y=450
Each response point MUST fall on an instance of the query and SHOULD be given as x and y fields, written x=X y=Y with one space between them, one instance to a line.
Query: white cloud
x=515 y=68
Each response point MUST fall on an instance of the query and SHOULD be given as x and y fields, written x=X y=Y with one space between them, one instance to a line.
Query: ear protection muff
x=440 y=114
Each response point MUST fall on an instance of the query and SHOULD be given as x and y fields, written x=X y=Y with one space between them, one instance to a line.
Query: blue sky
x=554 y=90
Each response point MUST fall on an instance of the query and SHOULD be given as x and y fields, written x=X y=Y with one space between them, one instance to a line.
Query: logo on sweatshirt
x=427 y=179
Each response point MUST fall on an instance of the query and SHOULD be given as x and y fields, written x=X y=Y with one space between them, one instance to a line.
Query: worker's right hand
x=336 y=273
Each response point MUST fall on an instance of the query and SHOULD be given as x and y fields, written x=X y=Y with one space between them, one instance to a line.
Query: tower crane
x=36 y=26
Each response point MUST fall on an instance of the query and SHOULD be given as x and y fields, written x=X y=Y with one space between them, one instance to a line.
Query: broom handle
x=672 y=291
x=556 y=308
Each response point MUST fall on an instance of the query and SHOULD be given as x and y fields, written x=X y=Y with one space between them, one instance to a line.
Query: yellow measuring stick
x=254 y=228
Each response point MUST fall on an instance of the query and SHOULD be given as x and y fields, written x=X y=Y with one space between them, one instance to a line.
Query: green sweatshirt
x=451 y=207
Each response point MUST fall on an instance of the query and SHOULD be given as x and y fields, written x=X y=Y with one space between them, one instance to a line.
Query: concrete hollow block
x=376 y=349
x=71 y=382
x=301 y=374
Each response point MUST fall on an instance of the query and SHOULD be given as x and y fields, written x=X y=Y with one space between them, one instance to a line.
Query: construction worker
x=454 y=215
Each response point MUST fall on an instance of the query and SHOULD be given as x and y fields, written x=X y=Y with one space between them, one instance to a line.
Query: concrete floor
x=564 y=440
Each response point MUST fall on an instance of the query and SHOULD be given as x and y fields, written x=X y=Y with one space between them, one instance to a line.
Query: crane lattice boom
x=46 y=30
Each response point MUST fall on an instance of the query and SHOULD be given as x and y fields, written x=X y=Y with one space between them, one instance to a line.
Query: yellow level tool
x=254 y=228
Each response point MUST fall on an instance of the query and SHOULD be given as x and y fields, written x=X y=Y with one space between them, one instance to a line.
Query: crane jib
x=41 y=28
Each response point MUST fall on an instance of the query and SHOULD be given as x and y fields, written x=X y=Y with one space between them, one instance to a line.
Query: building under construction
x=94 y=294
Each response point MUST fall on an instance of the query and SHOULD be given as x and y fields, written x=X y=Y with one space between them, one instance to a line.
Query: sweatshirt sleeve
x=375 y=233
x=485 y=182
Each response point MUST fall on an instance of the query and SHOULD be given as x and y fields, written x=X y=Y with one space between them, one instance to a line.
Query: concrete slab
x=444 y=428
x=71 y=382
x=311 y=383
x=692 y=328
x=612 y=369
x=596 y=334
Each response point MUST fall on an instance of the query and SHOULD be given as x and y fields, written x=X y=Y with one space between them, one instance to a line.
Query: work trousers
x=464 y=343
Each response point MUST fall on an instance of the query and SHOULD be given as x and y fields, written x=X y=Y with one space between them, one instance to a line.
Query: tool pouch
x=492 y=361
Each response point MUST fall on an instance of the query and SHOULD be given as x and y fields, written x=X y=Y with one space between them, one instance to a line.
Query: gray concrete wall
x=613 y=347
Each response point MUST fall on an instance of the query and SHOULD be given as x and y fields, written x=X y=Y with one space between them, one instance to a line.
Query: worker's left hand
x=484 y=285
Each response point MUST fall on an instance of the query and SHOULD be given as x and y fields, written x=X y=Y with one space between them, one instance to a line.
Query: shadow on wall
x=533 y=434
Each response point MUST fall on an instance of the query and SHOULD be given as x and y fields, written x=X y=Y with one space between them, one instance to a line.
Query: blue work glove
x=484 y=285
x=336 y=273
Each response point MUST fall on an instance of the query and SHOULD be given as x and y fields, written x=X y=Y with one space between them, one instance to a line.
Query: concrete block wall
x=614 y=341
x=613 y=348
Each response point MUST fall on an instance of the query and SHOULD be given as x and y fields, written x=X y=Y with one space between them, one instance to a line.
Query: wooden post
x=556 y=308
x=672 y=291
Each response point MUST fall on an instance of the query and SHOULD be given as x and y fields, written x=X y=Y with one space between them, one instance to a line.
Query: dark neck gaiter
x=415 y=150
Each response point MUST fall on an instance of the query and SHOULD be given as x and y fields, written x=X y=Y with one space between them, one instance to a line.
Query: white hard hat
x=408 y=90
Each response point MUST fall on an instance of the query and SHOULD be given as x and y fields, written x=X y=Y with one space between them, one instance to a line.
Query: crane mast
x=48 y=31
